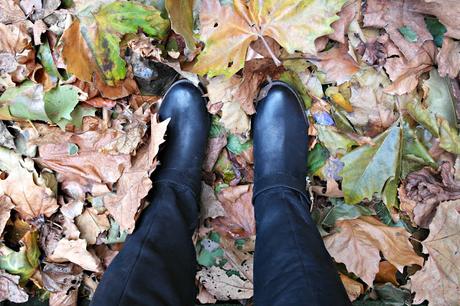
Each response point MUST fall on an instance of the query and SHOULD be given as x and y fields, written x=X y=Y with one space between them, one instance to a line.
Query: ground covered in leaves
x=81 y=81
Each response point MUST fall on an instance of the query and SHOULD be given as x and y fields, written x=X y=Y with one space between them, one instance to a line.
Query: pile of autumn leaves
x=79 y=137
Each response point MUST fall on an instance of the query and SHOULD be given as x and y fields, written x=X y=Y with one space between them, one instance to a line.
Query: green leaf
x=408 y=33
x=437 y=112
x=26 y=101
x=336 y=143
x=181 y=16
x=368 y=168
x=73 y=149
x=47 y=60
x=343 y=211
x=436 y=29
x=236 y=145
x=293 y=79
x=317 y=158
x=77 y=116
x=25 y=261
x=60 y=102
x=415 y=155
x=104 y=29
x=115 y=234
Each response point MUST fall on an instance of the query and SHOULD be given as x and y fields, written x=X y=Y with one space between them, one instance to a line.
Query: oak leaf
x=359 y=242
x=228 y=32
x=439 y=280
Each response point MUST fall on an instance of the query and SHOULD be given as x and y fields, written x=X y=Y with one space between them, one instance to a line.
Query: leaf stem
x=270 y=51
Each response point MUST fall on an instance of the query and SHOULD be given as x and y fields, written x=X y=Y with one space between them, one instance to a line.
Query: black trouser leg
x=157 y=264
x=292 y=266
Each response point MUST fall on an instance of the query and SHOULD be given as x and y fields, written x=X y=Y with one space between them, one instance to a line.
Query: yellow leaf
x=227 y=33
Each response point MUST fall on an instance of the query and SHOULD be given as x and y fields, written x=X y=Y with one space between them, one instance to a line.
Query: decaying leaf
x=359 y=242
x=10 y=289
x=439 y=280
x=91 y=224
x=354 y=288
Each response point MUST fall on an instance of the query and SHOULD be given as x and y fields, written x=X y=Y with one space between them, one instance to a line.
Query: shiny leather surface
x=280 y=134
x=187 y=132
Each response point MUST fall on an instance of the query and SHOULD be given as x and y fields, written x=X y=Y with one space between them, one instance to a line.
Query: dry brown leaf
x=348 y=13
x=95 y=162
x=338 y=65
x=91 y=224
x=210 y=206
x=386 y=274
x=448 y=12
x=359 y=242
x=26 y=189
x=75 y=251
x=439 y=280
x=448 y=58
x=354 y=288
x=224 y=287
x=61 y=277
x=239 y=212
x=64 y=298
x=204 y=296
x=10 y=289
x=215 y=146
x=10 y=12
x=17 y=57
x=5 y=208
x=134 y=183
x=427 y=188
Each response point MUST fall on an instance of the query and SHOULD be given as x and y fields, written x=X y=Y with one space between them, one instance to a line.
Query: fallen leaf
x=103 y=30
x=134 y=183
x=61 y=277
x=181 y=16
x=234 y=118
x=448 y=58
x=5 y=209
x=26 y=101
x=387 y=273
x=238 y=220
x=215 y=146
x=10 y=12
x=27 y=190
x=447 y=11
x=359 y=242
x=91 y=224
x=224 y=287
x=10 y=289
x=210 y=206
x=64 y=298
x=347 y=15
x=337 y=64
x=427 y=188
x=75 y=251
x=354 y=288
x=439 y=280
x=227 y=42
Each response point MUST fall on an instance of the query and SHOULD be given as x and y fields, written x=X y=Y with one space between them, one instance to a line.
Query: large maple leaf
x=227 y=32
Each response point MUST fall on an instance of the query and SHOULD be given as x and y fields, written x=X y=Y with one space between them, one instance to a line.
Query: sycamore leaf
x=227 y=32
x=359 y=242
x=439 y=280
x=336 y=143
x=98 y=35
x=368 y=168
x=181 y=16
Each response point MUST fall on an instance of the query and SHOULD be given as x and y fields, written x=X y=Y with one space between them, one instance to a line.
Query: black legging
x=157 y=265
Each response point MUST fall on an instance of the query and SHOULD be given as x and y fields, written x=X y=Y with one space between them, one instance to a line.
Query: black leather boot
x=280 y=138
x=183 y=153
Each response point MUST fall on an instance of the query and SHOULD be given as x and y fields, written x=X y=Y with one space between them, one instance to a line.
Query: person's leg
x=292 y=266
x=157 y=263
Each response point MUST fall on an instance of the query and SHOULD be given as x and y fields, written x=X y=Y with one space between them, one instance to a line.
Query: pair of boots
x=157 y=265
